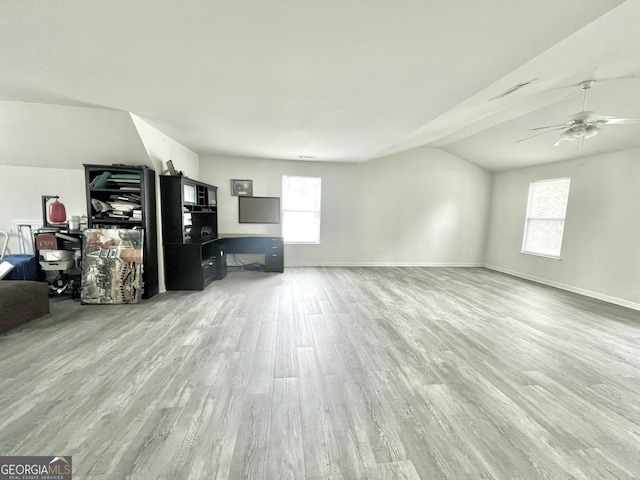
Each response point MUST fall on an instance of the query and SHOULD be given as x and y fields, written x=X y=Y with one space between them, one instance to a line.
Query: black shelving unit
x=130 y=194
x=192 y=255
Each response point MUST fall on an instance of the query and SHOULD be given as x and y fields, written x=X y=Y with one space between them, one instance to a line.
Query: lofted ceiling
x=335 y=80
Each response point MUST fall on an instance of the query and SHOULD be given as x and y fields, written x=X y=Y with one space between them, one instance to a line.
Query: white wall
x=600 y=250
x=21 y=189
x=421 y=207
x=61 y=136
x=160 y=149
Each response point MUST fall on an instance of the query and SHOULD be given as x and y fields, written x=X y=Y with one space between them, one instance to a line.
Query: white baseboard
x=570 y=288
x=381 y=264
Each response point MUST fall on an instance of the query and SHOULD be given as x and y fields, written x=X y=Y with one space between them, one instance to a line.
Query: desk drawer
x=208 y=270
x=273 y=245
x=274 y=262
x=208 y=273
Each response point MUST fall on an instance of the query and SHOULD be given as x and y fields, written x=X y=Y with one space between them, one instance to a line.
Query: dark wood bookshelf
x=144 y=187
x=192 y=256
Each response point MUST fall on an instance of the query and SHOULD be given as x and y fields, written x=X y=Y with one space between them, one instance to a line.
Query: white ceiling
x=339 y=80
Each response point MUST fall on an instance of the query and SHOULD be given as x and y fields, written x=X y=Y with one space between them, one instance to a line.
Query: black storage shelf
x=96 y=222
x=192 y=257
x=115 y=190
x=113 y=220
x=144 y=192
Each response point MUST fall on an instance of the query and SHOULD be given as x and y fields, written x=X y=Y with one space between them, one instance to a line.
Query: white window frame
x=530 y=218
x=292 y=208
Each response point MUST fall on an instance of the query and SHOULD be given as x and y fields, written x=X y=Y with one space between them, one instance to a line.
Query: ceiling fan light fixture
x=590 y=131
x=583 y=124
x=579 y=131
x=569 y=135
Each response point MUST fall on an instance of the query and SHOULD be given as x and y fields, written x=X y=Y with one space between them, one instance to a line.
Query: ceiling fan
x=582 y=125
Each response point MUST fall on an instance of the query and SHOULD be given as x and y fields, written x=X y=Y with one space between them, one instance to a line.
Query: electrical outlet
x=380 y=251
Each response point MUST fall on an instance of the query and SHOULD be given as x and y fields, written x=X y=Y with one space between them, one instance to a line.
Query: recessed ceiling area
x=335 y=81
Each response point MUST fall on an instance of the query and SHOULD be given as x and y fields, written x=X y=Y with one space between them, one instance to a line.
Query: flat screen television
x=258 y=209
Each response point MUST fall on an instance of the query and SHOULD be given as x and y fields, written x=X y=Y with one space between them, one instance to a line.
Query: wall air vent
x=509 y=91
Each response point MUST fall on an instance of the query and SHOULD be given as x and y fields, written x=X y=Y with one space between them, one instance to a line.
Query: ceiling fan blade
x=563 y=127
x=619 y=121
x=559 y=141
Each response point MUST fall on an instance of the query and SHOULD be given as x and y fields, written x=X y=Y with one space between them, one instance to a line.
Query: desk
x=194 y=264
x=272 y=247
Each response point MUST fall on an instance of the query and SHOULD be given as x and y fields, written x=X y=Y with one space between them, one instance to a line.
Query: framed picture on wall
x=242 y=187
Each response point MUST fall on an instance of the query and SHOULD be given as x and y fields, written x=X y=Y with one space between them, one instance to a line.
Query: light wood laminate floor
x=331 y=373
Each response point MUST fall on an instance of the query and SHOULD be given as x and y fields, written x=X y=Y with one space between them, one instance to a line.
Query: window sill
x=542 y=255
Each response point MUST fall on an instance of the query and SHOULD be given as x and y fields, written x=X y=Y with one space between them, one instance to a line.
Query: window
x=301 y=209
x=546 y=212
